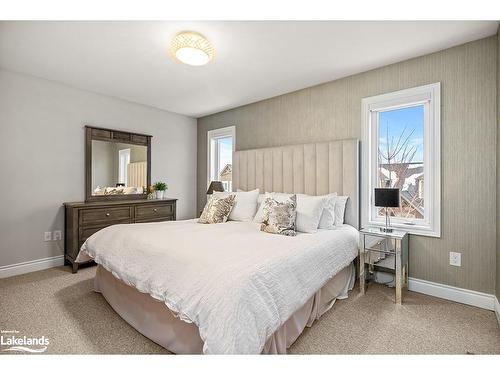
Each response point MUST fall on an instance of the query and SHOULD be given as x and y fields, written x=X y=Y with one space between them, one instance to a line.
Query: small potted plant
x=160 y=188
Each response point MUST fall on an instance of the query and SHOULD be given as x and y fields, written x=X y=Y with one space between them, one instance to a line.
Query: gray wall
x=103 y=164
x=498 y=166
x=42 y=157
x=333 y=111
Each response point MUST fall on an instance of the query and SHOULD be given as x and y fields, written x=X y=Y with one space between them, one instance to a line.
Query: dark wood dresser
x=84 y=219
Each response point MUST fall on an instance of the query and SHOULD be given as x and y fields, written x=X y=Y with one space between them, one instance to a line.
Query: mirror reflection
x=118 y=168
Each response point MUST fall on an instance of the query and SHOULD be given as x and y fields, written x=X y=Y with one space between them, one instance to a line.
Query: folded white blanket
x=236 y=283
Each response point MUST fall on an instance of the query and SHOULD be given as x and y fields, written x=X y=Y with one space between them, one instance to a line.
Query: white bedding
x=236 y=283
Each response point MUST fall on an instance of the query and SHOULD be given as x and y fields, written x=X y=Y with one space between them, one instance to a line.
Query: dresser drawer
x=86 y=232
x=154 y=211
x=105 y=215
x=89 y=231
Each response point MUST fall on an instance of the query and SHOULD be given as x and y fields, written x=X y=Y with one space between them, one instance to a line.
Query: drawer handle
x=107 y=213
x=155 y=209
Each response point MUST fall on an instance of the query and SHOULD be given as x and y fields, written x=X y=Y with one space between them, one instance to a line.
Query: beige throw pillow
x=279 y=216
x=217 y=210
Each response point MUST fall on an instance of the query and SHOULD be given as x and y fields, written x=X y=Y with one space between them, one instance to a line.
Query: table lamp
x=386 y=197
x=215 y=186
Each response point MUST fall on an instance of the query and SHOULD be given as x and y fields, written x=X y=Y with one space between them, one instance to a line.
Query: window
x=124 y=161
x=401 y=148
x=220 y=156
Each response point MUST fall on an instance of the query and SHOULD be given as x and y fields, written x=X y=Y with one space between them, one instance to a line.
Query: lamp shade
x=386 y=197
x=215 y=186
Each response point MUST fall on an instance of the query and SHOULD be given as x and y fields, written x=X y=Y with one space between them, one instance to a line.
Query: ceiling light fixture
x=192 y=48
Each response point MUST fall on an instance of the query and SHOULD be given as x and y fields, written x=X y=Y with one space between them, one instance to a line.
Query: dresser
x=82 y=219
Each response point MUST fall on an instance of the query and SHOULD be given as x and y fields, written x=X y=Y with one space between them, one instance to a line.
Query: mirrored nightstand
x=386 y=251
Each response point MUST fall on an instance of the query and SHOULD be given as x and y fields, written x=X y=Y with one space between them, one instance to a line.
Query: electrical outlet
x=57 y=235
x=47 y=236
x=455 y=259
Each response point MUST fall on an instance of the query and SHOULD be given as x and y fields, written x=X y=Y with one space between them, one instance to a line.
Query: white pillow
x=245 y=204
x=260 y=199
x=327 y=220
x=309 y=210
x=259 y=216
x=340 y=203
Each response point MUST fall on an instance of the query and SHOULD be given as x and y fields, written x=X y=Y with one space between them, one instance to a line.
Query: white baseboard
x=497 y=309
x=31 y=266
x=466 y=296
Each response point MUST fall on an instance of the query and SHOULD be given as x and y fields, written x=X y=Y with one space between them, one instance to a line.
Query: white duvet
x=236 y=283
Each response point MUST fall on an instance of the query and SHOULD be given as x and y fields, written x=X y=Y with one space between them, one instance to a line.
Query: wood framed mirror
x=117 y=164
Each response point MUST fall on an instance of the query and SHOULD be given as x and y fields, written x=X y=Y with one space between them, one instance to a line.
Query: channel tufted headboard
x=310 y=168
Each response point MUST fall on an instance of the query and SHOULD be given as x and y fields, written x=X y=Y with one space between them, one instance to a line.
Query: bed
x=230 y=288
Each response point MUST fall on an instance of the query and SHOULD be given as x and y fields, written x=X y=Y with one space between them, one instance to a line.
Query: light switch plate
x=47 y=236
x=455 y=259
x=57 y=235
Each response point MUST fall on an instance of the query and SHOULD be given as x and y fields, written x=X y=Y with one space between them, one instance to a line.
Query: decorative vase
x=159 y=194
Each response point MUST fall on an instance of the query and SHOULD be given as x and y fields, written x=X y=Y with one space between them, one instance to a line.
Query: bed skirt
x=155 y=321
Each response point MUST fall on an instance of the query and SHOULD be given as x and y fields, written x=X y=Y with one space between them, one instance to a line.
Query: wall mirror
x=117 y=164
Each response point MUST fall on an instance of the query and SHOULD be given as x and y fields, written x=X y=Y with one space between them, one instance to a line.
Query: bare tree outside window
x=400 y=159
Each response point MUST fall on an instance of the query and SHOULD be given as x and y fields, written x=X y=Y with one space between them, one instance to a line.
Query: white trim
x=497 y=310
x=466 y=296
x=430 y=95
x=123 y=161
x=31 y=266
x=229 y=131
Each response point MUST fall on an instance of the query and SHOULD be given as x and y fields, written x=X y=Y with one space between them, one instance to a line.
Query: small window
x=220 y=156
x=124 y=161
x=401 y=149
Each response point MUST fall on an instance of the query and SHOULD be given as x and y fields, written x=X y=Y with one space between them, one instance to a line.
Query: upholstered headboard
x=310 y=168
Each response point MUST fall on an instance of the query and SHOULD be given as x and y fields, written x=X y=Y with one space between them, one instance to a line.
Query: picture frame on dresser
x=116 y=194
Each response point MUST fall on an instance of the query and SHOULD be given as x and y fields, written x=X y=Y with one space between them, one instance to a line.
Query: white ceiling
x=253 y=60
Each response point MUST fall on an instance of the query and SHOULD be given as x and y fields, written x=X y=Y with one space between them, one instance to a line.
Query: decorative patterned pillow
x=217 y=210
x=279 y=217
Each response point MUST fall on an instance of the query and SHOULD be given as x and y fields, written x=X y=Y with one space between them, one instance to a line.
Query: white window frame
x=123 y=161
x=430 y=97
x=213 y=152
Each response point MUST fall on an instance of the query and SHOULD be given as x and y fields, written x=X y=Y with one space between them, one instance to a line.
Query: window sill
x=411 y=229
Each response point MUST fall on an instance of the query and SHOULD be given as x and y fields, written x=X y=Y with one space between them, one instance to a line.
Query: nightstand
x=384 y=251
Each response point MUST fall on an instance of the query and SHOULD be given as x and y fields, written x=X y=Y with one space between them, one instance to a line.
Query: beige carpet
x=64 y=308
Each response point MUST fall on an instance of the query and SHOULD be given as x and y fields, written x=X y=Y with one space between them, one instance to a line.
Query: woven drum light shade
x=192 y=48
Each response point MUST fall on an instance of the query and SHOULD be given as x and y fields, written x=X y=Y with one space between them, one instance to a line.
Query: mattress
x=238 y=285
